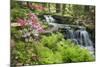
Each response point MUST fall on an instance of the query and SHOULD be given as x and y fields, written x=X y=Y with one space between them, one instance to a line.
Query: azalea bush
x=29 y=27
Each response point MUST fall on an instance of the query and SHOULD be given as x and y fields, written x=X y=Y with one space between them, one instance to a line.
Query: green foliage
x=58 y=57
x=78 y=11
x=24 y=53
x=50 y=50
x=53 y=48
x=50 y=41
x=19 y=13
x=15 y=33
x=46 y=55
x=73 y=53
x=67 y=50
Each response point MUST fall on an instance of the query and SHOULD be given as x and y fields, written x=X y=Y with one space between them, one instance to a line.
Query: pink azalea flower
x=39 y=7
x=22 y=22
x=35 y=23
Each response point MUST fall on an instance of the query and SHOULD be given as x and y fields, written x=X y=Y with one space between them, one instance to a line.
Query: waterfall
x=49 y=19
x=82 y=36
x=69 y=33
x=79 y=36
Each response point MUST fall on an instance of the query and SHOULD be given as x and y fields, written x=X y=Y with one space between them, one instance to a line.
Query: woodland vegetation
x=48 y=48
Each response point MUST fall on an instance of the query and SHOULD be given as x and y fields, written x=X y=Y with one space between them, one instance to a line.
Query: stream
x=77 y=34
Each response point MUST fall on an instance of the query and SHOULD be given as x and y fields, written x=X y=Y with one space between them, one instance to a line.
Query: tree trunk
x=86 y=8
x=58 y=6
x=48 y=6
x=63 y=9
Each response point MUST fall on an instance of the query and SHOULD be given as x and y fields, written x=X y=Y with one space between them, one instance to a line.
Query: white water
x=80 y=36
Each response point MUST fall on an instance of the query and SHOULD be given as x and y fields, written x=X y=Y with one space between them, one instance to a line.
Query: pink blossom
x=37 y=7
x=32 y=21
x=22 y=22
x=35 y=23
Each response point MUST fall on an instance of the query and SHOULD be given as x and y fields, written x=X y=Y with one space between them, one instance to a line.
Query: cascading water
x=49 y=19
x=82 y=36
x=69 y=33
x=79 y=36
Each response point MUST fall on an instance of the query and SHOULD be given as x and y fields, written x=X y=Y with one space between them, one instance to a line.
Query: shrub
x=24 y=53
x=73 y=53
x=45 y=55
x=50 y=50
x=50 y=41
x=69 y=51
x=18 y=13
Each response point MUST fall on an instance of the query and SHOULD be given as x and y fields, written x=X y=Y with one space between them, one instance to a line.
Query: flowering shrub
x=30 y=27
x=32 y=21
x=37 y=7
x=22 y=22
